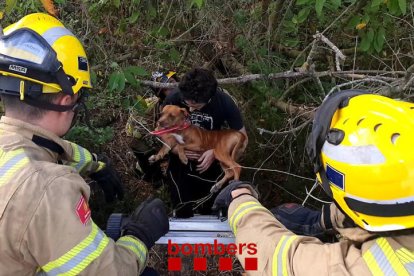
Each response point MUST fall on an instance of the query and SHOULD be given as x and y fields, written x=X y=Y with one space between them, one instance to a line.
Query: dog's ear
x=185 y=112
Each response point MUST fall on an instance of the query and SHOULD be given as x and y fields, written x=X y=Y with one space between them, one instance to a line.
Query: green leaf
x=122 y=26
x=198 y=3
x=379 y=39
x=136 y=2
x=371 y=35
x=355 y=20
x=94 y=78
x=319 y=6
x=137 y=71
x=303 y=2
x=117 y=81
x=163 y=32
x=126 y=103
x=336 y=3
x=372 y=9
x=152 y=11
x=365 y=44
x=375 y=3
x=240 y=18
x=116 y=3
x=303 y=15
x=134 y=17
x=393 y=7
x=129 y=76
x=10 y=4
x=291 y=42
x=403 y=6
x=175 y=55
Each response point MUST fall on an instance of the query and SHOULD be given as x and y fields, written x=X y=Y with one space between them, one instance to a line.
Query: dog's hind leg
x=225 y=163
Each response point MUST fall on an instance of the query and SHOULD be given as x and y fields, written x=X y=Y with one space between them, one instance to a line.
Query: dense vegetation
x=278 y=58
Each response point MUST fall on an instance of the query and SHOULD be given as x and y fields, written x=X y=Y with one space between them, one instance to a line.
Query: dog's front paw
x=153 y=159
x=184 y=160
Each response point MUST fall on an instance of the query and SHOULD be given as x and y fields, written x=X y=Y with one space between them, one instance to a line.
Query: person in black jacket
x=210 y=107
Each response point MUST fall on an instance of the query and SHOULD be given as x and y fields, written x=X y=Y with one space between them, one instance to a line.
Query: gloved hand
x=148 y=222
x=108 y=179
x=224 y=198
x=299 y=219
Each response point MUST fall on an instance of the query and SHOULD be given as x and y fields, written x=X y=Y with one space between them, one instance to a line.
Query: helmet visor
x=27 y=54
x=25 y=47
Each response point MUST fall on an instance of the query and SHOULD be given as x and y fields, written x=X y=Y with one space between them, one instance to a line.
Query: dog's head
x=172 y=115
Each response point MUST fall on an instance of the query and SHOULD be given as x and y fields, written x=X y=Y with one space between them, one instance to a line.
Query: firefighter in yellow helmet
x=361 y=149
x=45 y=220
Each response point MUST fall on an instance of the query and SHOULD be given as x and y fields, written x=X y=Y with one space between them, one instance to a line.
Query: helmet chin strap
x=77 y=107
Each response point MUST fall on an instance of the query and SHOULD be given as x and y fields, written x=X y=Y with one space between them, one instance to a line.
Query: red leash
x=163 y=131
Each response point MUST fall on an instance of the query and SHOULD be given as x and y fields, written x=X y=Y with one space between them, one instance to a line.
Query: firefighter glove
x=224 y=198
x=148 y=222
x=299 y=219
x=108 y=179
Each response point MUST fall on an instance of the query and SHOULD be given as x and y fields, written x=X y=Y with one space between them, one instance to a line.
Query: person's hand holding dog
x=192 y=155
x=205 y=160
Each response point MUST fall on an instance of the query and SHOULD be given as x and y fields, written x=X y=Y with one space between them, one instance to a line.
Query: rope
x=317 y=199
x=273 y=170
x=308 y=194
x=165 y=144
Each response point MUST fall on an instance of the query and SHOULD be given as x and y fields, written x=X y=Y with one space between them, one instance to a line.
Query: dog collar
x=160 y=132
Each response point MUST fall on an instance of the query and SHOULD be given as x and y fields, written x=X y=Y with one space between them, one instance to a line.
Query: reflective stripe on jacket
x=280 y=252
x=45 y=222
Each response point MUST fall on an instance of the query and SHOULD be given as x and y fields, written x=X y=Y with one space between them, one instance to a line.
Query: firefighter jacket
x=280 y=252
x=45 y=222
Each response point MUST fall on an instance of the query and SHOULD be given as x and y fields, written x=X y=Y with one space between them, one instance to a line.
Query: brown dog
x=180 y=135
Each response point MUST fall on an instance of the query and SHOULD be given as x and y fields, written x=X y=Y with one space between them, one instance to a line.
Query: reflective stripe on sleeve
x=382 y=260
x=79 y=257
x=10 y=163
x=242 y=210
x=407 y=259
x=135 y=246
x=81 y=157
x=280 y=262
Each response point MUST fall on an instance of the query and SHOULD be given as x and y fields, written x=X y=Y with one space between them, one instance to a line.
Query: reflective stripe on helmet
x=55 y=33
x=358 y=155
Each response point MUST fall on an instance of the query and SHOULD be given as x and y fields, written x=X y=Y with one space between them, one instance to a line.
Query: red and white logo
x=199 y=250
x=82 y=210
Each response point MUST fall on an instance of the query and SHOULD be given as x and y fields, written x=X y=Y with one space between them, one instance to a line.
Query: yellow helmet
x=362 y=148
x=161 y=77
x=39 y=49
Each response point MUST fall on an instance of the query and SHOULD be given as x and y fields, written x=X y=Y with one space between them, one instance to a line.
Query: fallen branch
x=339 y=56
x=290 y=75
x=291 y=109
x=293 y=130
